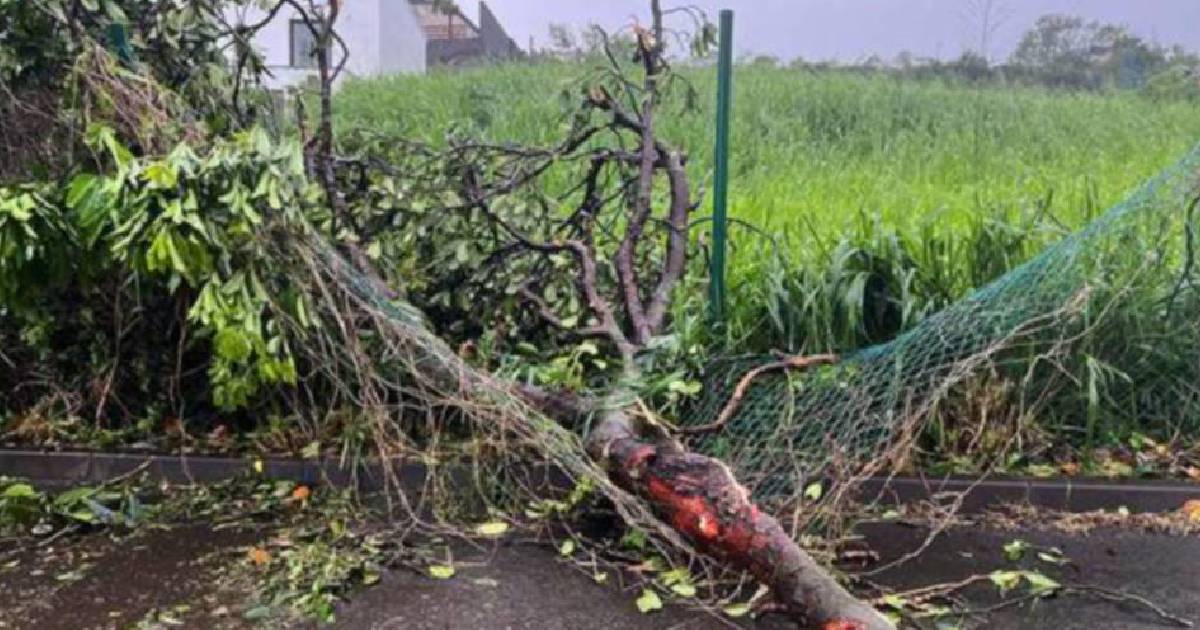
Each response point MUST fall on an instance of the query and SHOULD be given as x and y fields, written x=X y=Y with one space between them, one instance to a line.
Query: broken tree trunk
x=702 y=500
x=697 y=495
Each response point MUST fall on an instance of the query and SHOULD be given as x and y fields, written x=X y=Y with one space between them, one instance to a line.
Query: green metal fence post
x=721 y=161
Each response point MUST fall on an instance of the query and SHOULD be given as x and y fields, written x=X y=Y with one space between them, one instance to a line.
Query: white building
x=383 y=37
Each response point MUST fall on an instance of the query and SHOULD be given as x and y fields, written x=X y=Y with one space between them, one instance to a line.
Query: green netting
x=1097 y=329
x=1100 y=328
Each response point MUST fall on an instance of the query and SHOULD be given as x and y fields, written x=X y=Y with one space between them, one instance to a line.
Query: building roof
x=441 y=24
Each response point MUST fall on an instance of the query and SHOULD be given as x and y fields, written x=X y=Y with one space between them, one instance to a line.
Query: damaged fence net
x=1100 y=327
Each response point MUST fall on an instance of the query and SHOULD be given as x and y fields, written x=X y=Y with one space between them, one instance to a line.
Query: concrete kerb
x=1073 y=495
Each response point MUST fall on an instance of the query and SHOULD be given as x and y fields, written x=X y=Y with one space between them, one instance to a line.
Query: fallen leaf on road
x=260 y=556
x=649 y=601
x=441 y=571
x=1192 y=510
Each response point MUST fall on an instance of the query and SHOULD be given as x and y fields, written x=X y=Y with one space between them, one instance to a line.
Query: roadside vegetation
x=501 y=274
x=864 y=202
x=837 y=175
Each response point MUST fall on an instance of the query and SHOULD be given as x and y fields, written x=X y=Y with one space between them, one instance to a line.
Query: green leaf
x=684 y=589
x=814 y=491
x=441 y=571
x=1042 y=470
x=737 y=610
x=233 y=345
x=1114 y=468
x=160 y=175
x=634 y=539
x=675 y=576
x=685 y=388
x=1015 y=550
x=81 y=187
x=1040 y=584
x=492 y=529
x=312 y=451
x=566 y=548
x=20 y=491
x=1005 y=580
x=649 y=602
x=73 y=497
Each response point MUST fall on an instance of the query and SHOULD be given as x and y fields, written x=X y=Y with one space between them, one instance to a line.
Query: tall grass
x=881 y=199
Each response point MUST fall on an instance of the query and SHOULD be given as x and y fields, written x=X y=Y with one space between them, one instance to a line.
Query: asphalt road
x=530 y=588
x=102 y=583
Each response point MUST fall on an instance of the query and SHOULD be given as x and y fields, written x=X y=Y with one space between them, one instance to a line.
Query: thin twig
x=789 y=363
x=1124 y=597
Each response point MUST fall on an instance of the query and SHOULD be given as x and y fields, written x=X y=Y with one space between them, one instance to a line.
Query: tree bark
x=700 y=498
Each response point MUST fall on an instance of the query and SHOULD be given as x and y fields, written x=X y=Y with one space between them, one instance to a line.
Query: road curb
x=66 y=468
x=1069 y=495
x=1073 y=495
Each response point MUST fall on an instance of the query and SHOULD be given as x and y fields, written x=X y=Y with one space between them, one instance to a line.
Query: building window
x=303 y=46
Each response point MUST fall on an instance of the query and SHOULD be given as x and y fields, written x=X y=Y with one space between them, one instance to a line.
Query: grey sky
x=855 y=29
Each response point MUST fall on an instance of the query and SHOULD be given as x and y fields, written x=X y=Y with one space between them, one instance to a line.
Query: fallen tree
x=614 y=137
x=241 y=240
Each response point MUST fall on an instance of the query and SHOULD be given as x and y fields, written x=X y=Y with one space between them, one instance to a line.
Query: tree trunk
x=701 y=499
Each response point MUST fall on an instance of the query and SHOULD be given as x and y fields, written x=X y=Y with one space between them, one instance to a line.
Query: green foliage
x=37 y=243
x=31 y=510
x=191 y=221
x=1178 y=82
x=20 y=503
x=1066 y=51
x=182 y=231
x=876 y=201
x=323 y=548
x=177 y=38
x=55 y=82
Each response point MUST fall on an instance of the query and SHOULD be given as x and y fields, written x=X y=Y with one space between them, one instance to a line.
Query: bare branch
x=789 y=363
x=677 y=243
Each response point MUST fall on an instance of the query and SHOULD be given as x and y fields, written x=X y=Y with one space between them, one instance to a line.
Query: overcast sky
x=852 y=30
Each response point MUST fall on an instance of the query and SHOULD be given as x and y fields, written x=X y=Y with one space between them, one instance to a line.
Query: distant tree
x=589 y=41
x=1178 y=55
x=1056 y=49
x=874 y=63
x=988 y=16
x=971 y=66
x=1178 y=82
x=1127 y=59
x=1066 y=51
x=906 y=60
x=767 y=61
x=563 y=40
